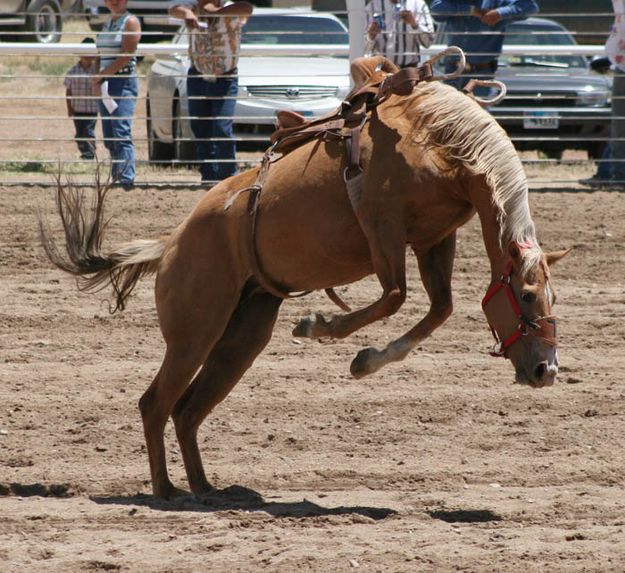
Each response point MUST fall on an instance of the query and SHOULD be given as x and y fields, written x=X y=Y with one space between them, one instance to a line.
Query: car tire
x=44 y=22
x=159 y=152
x=184 y=150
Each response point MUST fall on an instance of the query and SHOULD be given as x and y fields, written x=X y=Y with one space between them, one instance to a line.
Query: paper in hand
x=109 y=103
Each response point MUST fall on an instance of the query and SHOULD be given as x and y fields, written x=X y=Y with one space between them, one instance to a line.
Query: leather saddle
x=374 y=79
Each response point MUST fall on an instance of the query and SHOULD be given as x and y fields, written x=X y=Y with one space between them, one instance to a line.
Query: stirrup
x=473 y=83
x=460 y=64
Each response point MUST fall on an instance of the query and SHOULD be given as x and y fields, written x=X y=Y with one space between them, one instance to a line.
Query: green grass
x=42 y=166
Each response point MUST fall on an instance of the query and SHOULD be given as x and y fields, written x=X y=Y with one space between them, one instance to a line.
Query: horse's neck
x=491 y=228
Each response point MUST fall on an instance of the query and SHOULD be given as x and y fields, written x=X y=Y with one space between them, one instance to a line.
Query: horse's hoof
x=304 y=328
x=362 y=365
x=312 y=327
x=169 y=492
x=203 y=490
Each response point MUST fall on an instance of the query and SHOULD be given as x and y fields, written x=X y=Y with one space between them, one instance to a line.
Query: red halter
x=543 y=327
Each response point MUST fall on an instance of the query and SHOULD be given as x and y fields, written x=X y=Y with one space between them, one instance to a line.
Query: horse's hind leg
x=189 y=341
x=435 y=266
x=248 y=332
x=387 y=245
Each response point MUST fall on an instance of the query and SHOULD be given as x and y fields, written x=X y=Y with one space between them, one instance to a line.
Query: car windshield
x=277 y=29
x=540 y=35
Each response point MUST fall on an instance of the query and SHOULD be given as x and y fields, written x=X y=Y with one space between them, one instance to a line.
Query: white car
x=308 y=84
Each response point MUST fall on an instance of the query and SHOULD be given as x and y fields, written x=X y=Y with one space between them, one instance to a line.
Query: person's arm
x=130 y=41
x=186 y=13
x=444 y=9
x=68 y=102
x=96 y=80
x=242 y=9
x=514 y=11
x=373 y=28
x=421 y=22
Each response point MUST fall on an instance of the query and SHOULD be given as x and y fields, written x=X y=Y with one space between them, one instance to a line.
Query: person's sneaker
x=125 y=185
x=594 y=181
x=601 y=183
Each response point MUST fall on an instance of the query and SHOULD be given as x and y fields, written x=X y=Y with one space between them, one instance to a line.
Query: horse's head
x=519 y=309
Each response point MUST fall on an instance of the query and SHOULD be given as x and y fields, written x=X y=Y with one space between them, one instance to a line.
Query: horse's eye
x=528 y=297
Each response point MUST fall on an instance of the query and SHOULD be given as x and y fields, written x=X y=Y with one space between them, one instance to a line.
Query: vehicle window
x=293 y=30
x=536 y=35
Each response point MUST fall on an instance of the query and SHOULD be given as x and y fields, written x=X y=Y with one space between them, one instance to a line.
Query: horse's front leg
x=387 y=245
x=435 y=266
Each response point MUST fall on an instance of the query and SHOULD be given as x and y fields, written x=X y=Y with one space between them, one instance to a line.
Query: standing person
x=397 y=30
x=611 y=169
x=478 y=28
x=212 y=81
x=117 y=64
x=81 y=99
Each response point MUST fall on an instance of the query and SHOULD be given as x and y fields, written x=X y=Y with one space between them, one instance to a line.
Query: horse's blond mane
x=450 y=119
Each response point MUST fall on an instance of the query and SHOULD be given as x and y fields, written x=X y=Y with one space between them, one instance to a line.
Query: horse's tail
x=84 y=225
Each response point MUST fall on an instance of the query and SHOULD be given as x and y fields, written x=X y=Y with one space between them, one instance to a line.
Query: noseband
x=542 y=327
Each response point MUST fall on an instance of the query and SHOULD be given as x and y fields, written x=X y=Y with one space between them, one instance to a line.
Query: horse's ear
x=553 y=258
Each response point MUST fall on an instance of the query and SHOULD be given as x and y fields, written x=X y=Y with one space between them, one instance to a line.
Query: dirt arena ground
x=435 y=464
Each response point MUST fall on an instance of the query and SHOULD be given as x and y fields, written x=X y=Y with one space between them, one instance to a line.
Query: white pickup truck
x=33 y=20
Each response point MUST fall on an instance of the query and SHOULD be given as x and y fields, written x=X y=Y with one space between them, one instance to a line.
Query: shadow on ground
x=239 y=498
x=465 y=515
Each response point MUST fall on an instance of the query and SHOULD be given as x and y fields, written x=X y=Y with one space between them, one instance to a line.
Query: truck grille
x=292 y=92
x=533 y=99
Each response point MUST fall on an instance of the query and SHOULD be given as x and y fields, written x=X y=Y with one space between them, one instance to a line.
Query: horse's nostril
x=540 y=371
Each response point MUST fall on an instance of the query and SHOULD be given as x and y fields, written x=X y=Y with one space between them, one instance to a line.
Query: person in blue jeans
x=82 y=102
x=211 y=107
x=117 y=65
x=212 y=80
x=611 y=169
x=478 y=28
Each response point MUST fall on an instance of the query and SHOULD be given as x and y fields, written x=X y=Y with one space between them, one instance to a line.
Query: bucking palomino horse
x=430 y=160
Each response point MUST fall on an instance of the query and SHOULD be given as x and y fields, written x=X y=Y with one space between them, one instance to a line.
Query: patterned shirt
x=398 y=41
x=78 y=81
x=615 y=46
x=213 y=49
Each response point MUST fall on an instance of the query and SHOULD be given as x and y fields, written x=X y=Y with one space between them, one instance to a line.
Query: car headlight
x=591 y=97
